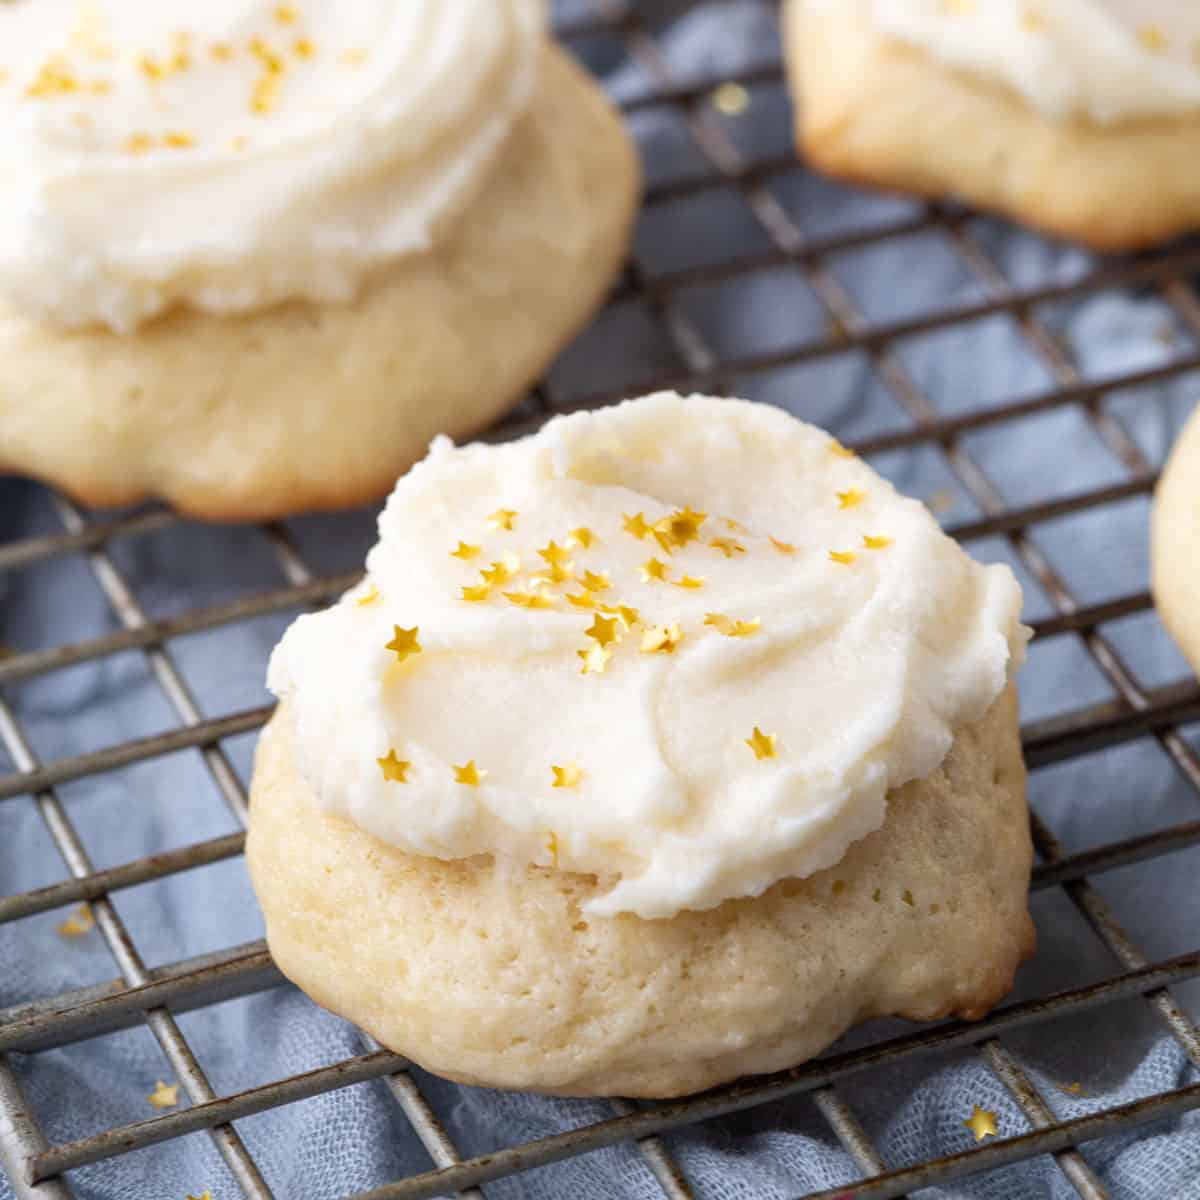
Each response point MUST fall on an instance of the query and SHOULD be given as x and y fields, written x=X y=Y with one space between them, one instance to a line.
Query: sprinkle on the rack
x=782 y=547
x=80 y=922
x=653 y=569
x=1152 y=38
x=582 y=536
x=568 y=776
x=165 y=1095
x=636 y=525
x=731 y=98
x=689 y=581
x=583 y=599
x=502 y=518
x=477 y=593
x=368 y=597
x=629 y=616
x=1073 y=1089
x=836 y=447
x=603 y=630
x=763 y=744
x=907 y=897
x=205 y=1195
x=850 y=498
x=661 y=639
x=981 y=1122
x=596 y=581
x=469 y=774
x=395 y=770
x=875 y=543
x=534 y=596
x=404 y=643
x=595 y=659
x=464 y=551
x=845 y=557
x=727 y=546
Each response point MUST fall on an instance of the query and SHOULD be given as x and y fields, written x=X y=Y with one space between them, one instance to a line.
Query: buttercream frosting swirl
x=809 y=640
x=237 y=153
x=1102 y=60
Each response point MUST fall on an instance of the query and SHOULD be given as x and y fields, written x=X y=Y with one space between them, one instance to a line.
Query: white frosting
x=860 y=670
x=313 y=142
x=1103 y=60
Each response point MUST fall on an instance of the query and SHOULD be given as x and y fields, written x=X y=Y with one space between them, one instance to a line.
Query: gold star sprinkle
x=763 y=744
x=845 y=557
x=836 y=447
x=464 y=551
x=661 y=639
x=981 y=1123
x=581 y=537
x=681 y=527
x=220 y=51
x=559 y=573
x=165 y=1095
x=285 y=14
x=502 y=518
x=555 y=555
x=875 y=543
x=1153 y=38
x=594 y=660
x=303 y=47
x=478 y=593
x=850 y=498
x=583 y=599
x=727 y=546
x=138 y=143
x=469 y=774
x=653 y=569
x=205 y=1195
x=368 y=597
x=179 y=141
x=404 y=643
x=501 y=572
x=78 y=923
x=568 y=776
x=689 y=581
x=596 y=581
x=636 y=526
x=782 y=547
x=731 y=628
x=629 y=616
x=531 y=597
x=603 y=630
x=1074 y=1089
x=731 y=99
x=395 y=770
x=732 y=525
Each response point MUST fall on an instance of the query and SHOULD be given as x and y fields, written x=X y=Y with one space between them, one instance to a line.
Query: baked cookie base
x=318 y=406
x=498 y=978
x=1175 y=542
x=876 y=112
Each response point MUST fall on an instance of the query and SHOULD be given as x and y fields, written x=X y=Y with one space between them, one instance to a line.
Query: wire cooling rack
x=723 y=159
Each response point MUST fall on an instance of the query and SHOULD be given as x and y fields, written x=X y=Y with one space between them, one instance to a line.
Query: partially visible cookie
x=879 y=110
x=1175 y=544
x=310 y=405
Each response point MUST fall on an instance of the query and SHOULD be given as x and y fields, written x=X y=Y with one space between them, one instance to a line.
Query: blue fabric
x=353 y=1139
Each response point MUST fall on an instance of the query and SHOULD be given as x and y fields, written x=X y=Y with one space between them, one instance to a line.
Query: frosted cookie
x=256 y=255
x=655 y=749
x=1175 y=544
x=1056 y=112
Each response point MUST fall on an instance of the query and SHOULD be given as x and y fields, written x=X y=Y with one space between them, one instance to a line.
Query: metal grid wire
x=154 y=996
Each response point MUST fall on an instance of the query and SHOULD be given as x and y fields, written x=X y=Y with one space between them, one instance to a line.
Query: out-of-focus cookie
x=1175 y=544
x=1056 y=113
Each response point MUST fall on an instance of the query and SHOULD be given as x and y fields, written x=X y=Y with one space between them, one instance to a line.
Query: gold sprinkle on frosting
x=689 y=581
x=636 y=525
x=395 y=770
x=836 y=447
x=727 y=546
x=845 y=557
x=80 y=922
x=850 y=498
x=1152 y=38
x=502 y=518
x=731 y=627
x=464 y=551
x=368 y=597
x=165 y=1095
x=629 y=616
x=583 y=599
x=503 y=571
x=661 y=639
x=603 y=630
x=285 y=14
x=469 y=774
x=596 y=581
x=554 y=554
x=782 y=547
x=404 y=643
x=763 y=744
x=653 y=569
x=534 y=596
x=581 y=537
x=477 y=593
x=595 y=660
x=567 y=777
x=875 y=543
